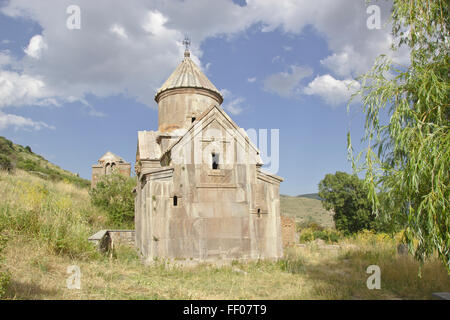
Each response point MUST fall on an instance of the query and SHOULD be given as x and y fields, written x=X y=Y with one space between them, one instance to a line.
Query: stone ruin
x=108 y=163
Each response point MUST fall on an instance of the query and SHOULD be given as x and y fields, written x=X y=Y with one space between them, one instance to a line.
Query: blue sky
x=72 y=95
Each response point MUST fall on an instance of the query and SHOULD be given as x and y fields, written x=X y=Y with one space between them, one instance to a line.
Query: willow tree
x=406 y=151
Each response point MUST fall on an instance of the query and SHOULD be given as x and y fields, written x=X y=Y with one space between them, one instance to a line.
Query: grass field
x=47 y=224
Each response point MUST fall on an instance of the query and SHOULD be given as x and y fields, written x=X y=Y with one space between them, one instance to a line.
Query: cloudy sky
x=73 y=94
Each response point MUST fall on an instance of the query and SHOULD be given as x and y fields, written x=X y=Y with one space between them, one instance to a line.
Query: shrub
x=5 y=163
x=114 y=194
x=328 y=235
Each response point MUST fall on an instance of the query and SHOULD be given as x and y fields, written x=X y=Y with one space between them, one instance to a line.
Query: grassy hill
x=305 y=210
x=14 y=156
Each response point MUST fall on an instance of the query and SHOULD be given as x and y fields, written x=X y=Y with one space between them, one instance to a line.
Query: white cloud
x=277 y=59
x=119 y=31
x=7 y=120
x=93 y=61
x=5 y=58
x=36 y=46
x=234 y=106
x=333 y=91
x=20 y=89
x=345 y=62
x=251 y=80
x=155 y=23
x=287 y=84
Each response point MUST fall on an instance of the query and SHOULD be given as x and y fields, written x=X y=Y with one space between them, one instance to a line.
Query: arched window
x=108 y=168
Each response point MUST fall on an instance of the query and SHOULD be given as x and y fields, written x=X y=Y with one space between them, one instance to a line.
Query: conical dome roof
x=188 y=75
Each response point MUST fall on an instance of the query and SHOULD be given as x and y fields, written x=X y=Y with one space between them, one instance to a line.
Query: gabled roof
x=188 y=75
x=109 y=156
x=198 y=122
x=148 y=147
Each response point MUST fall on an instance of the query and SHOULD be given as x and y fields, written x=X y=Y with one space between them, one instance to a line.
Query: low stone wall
x=287 y=231
x=122 y=236
x=105 y=239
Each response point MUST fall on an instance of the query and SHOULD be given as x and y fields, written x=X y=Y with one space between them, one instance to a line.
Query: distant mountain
x=310 y=196
x=14 y=156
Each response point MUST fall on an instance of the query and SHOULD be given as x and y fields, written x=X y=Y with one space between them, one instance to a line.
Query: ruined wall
x=287 y=231
x=97 y=172
x=124 y=169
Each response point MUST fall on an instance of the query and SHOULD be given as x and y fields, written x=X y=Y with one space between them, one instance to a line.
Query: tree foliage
x=114 y=194
x=408 y=155
x=347 y=196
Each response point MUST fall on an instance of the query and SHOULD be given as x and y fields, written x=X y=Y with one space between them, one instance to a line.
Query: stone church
x=107 y=164
x=201 y=194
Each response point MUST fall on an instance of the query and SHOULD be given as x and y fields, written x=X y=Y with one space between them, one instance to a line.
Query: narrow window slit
x=215 y=161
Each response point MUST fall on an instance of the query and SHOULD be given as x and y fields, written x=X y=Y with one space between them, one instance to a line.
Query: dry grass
x=311 y=272
x=305 y=273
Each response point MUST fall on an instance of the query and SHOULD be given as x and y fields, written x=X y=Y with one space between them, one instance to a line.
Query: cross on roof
x=187 y=42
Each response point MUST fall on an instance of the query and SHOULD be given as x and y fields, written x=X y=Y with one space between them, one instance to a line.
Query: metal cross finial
x=187 y=42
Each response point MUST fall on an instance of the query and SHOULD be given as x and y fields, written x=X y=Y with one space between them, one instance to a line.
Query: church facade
x=201 y=194
x=108 y=163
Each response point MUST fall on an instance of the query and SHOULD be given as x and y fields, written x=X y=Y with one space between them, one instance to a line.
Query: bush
x=328 y=235
x=5 y=163
x=114 y=194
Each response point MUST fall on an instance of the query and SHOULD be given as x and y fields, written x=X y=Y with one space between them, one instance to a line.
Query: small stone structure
x=288 y=231
x=107 y=239
x=201 y=194
x=107 y=164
